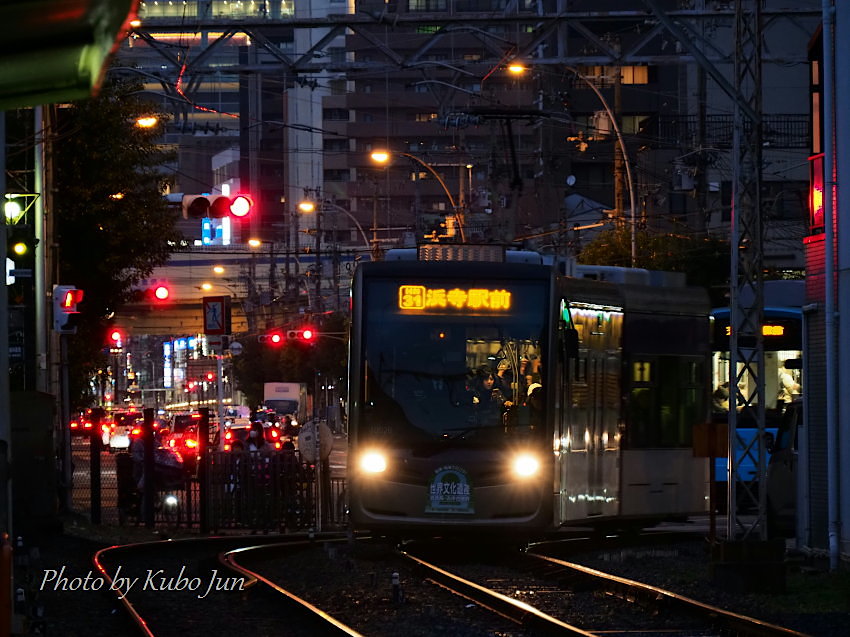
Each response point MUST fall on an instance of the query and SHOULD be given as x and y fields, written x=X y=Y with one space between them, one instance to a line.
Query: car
x=182 y=436
x=235 y=437
x=83 y=424
x=122 y=425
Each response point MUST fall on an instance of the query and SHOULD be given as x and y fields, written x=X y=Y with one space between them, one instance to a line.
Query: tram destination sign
x=422 y=298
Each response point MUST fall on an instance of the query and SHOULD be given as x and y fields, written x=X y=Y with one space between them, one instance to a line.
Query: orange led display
x=420 y=298
x=766 y=330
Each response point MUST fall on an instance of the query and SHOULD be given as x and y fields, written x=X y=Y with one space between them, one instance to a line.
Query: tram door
x=589 y=442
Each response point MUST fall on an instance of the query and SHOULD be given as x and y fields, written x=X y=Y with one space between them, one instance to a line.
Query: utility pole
x=318 y=252
x=746 y=368
x=5 y=415
x=376 y=247
x=619 y=158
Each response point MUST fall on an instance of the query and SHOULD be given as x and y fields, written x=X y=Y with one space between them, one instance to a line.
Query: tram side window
x=666 y=400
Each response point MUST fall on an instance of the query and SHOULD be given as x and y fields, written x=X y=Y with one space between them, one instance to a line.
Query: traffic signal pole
x=5 y=414
x=65 y=420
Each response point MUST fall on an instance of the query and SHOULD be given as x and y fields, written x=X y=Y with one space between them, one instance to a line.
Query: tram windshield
x=783 y=381
x=452 y=373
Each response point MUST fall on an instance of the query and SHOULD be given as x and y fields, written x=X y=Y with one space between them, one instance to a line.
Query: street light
x=383 y=156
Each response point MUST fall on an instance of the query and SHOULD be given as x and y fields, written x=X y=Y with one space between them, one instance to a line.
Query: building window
x=340 y=174
x=335 y=145
x=426 y=5
x=632 y=124
x=335 y=114
x=605 y=76
x=425 y=117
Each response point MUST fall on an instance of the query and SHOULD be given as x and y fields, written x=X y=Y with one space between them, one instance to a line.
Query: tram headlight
x=526 y=465
x=373 y=462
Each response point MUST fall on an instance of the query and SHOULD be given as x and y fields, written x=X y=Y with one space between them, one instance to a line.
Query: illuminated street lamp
x=148 y=121
x=383 y=156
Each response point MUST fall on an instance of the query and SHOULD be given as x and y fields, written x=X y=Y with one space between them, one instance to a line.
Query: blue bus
x=783 y=363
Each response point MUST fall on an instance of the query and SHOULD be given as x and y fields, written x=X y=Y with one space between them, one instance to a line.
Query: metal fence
x=242 y=491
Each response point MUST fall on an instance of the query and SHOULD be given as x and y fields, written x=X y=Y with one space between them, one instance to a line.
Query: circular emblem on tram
x=449 y=491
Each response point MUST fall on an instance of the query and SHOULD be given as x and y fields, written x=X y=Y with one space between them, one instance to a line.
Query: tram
x=602 y=384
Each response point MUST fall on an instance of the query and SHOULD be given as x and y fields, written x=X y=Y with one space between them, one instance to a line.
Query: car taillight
x=136 y=431
x=75 y=424
x=277 y=444
x=275 y=433
x=191 y=443
x=228 y=435
x=87 y=425
x=226 y=447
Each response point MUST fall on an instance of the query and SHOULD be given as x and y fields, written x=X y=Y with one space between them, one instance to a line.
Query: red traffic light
x=303 y=335
x=161 y=292
x=241 y=205
x=272 y=338
x=116 y=338
x=70 y=300
x=65 y=300
x=216 y=206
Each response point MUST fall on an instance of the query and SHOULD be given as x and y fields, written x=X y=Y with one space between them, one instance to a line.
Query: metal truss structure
x=725 y=34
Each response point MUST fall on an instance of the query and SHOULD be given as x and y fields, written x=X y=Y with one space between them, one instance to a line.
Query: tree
x=112 y=224
x=703 y=260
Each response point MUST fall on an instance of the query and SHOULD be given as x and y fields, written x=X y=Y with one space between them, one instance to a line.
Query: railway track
x=333 y=586
x=185 y=587
x=565 y=597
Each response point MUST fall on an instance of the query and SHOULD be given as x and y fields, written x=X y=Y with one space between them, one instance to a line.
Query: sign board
x=307 y=441
x=216 y=342
x=235 y=348
x=216 y=315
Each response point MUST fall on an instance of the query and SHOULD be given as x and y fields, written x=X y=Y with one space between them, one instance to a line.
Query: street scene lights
x=383 y=157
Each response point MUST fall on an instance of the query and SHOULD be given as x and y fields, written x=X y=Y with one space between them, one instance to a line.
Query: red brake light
x=190 y=443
